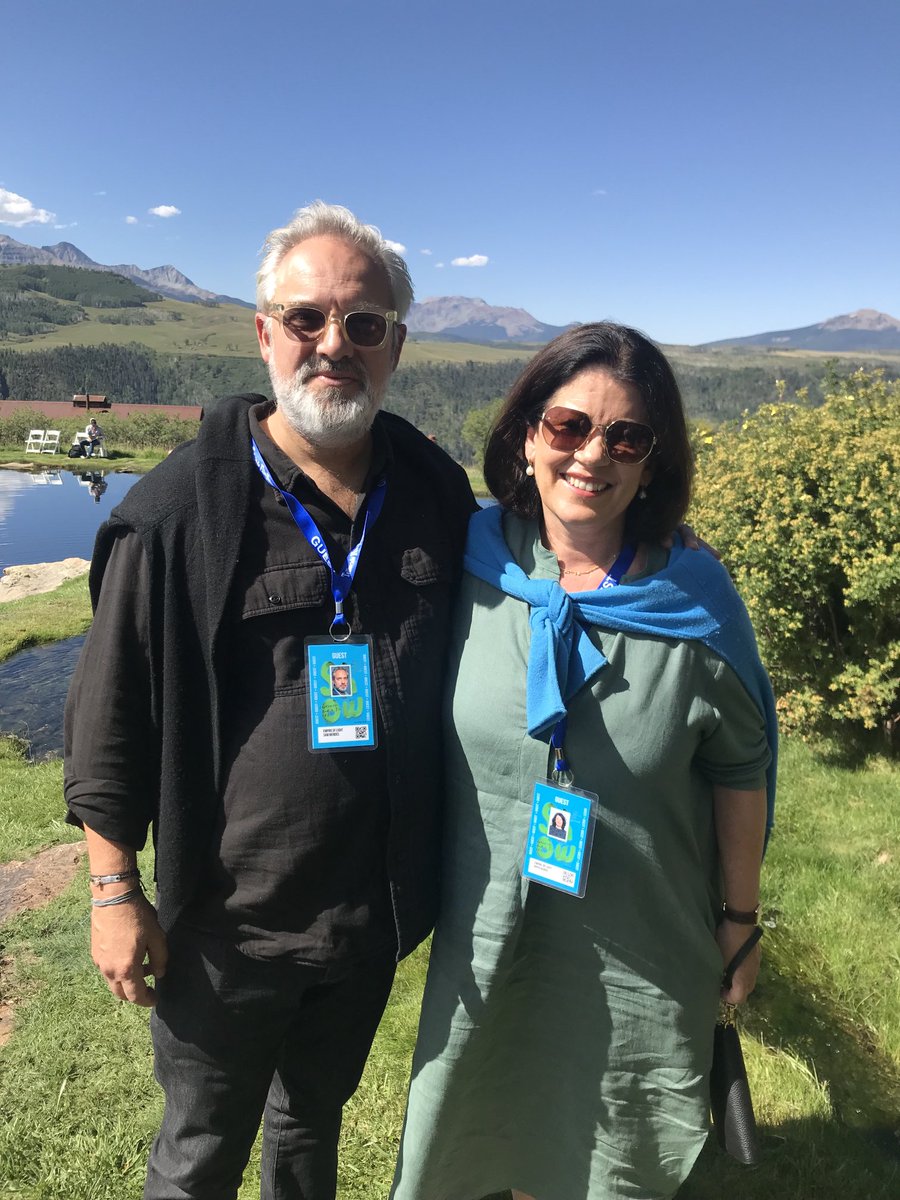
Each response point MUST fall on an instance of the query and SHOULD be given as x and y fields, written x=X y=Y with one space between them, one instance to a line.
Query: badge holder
x=340 y=702
x=560 y=837
x=561 y=830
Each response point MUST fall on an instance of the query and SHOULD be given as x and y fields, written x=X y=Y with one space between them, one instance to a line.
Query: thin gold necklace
x=593 y=569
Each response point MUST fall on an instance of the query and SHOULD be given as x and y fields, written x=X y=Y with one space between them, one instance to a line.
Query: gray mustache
x=321 y=364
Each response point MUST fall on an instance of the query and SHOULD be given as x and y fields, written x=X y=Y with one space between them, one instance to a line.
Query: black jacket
x=189 y=513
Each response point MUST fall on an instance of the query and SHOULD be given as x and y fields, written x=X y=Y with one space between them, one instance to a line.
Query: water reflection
x=95 y=483
x=33 y=686
x=48 y=515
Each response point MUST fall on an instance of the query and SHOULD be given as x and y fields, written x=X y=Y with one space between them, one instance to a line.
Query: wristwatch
x=740 y=918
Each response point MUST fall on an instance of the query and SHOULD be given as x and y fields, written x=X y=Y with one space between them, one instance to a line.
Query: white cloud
x=474 y=260
x=131 y=220
x=164 y=210
x=71 y=225
x=397 y=247
x=99 y=193
x=424 y=251
x=599 y=192
x=16 y=210
x=438 y=265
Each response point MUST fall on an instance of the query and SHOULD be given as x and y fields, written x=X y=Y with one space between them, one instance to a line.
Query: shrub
x=804 y=504
x=150 y=431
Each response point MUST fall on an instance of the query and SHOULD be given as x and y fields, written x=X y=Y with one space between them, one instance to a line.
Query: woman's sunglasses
x=626 y=442
x=365 y=329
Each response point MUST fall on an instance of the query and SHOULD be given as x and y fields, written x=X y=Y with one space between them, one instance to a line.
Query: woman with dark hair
x=596 y=672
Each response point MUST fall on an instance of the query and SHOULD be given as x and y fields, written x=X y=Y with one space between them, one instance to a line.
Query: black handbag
x=729 y=1091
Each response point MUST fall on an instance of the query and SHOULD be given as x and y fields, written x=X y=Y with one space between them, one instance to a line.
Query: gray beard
x=325 y=417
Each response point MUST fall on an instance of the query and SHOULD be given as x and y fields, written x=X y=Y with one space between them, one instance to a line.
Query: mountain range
x=464 y=319
x=470 y=319
x=865 y=329
x=167 y=281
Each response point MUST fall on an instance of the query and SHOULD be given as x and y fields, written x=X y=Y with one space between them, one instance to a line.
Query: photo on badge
x=341 y=684
x=558 y=824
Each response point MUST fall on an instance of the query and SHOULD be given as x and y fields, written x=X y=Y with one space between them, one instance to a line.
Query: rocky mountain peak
x=865 y=319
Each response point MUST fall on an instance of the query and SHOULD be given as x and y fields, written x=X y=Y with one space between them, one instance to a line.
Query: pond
x=48 y=515
x=45 y=516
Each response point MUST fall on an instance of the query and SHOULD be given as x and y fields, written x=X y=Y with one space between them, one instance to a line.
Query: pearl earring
x=529 y=470
x=642 y=494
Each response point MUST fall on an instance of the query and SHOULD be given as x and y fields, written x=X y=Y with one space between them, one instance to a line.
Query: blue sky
x=698 y=168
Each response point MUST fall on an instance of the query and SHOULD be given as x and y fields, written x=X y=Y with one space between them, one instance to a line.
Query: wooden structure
x=92 y=401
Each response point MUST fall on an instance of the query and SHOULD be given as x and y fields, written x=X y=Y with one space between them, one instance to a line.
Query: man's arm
x=740 y=818
x=111 y=769
x=126 y=940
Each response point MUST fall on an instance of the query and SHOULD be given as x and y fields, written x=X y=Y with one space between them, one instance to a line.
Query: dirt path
x=32 y=884
x=38 y=880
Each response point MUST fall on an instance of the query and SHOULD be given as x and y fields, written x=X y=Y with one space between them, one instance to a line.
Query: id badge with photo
x=341 y=705
x=560 y=837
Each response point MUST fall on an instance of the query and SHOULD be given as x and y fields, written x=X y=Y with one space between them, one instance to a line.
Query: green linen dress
x=565 y=1043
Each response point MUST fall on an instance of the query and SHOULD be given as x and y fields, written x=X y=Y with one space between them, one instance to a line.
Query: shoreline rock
x=33 y=580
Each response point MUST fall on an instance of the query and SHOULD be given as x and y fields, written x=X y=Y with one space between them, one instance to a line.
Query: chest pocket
x=279 y=610
x=422 y=567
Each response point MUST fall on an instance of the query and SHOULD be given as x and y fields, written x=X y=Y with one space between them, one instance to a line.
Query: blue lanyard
x=561 y=770
x=342 y=581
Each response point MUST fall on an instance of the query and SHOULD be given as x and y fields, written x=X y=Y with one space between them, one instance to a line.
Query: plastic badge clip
x=339 y=623
x=561 y=772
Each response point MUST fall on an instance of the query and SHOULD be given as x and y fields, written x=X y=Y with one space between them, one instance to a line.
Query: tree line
x=437 y=397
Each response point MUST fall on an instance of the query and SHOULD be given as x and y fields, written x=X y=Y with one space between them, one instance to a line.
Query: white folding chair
x=51 y=442
x=34 y=441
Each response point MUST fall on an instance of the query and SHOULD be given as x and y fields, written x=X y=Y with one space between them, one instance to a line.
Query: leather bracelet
x=120 y=877
x=740 y=918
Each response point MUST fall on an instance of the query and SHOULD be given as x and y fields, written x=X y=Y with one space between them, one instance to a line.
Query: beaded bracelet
x=99 y=880
x=117 y=899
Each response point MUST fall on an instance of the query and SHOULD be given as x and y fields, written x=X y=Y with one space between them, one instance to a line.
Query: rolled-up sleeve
x=736 y=752
x=111 y=743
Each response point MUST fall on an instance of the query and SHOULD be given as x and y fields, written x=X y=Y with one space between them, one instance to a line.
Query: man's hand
x=691 y=541
x=730 y=938
x=127 y=944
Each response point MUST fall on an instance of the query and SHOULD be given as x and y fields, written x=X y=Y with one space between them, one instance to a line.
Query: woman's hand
x=730 y=937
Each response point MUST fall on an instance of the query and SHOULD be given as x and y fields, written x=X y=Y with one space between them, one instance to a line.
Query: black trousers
x=240 y=1040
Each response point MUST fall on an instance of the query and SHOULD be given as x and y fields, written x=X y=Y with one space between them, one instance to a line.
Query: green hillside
x=102 y=289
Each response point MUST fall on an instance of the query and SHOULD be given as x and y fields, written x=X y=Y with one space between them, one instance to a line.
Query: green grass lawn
x=38 y=620
x=78 y=1105
x=117 y=460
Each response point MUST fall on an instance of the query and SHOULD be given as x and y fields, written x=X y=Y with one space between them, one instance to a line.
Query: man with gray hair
x=295 y=824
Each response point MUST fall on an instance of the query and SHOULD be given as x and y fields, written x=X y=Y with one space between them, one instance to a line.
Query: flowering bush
x=804 y=504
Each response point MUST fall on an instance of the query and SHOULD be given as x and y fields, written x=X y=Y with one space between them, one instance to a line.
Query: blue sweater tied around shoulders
x=691 y=599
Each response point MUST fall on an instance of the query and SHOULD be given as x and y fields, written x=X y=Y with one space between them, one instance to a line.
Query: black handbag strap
x=741 y=955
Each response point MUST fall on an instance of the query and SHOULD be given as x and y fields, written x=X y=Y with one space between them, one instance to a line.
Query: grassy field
x=78 y=1105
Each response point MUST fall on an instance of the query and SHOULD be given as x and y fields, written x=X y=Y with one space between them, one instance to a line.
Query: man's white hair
x=319 y=219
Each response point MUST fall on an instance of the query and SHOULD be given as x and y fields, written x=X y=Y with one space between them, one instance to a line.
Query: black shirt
x=298 y=862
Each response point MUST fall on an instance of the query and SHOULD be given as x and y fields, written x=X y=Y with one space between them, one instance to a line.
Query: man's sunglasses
x=626 y=442
x=365 y=329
